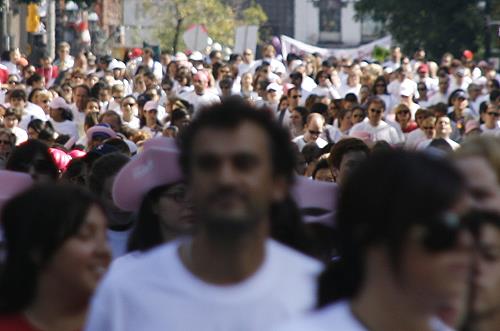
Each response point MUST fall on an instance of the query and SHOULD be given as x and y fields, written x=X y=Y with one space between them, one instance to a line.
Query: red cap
x=468 y=54
x=135 y=52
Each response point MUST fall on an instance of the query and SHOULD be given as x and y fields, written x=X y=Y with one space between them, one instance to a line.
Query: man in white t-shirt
x=314 y=127
x=375 y=126
x=395 y=271
x=200 y=97
x=490 y=118
x=229 y=275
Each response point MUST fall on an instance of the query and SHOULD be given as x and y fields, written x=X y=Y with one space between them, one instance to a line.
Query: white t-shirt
x=490 y=132
x=382 y=131
x=414 y=138
x=200 y=101
x=31 y=112
x=338 y=316
x=156 y=293
x=66 y=127
x=300 y=142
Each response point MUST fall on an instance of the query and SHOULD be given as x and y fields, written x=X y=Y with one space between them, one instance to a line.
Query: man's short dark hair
x=230 y=115
x=18 y=94
x=345 y=146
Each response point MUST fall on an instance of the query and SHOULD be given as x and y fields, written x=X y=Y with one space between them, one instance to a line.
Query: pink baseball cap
x=151 y=168
x=317 y=197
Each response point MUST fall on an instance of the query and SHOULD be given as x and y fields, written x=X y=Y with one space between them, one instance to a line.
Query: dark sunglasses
x=315 y=132
x=491 y=113
x=5 y=142
x=13 y=82
x=441 y=233
x=296 y=96
x=378 y=111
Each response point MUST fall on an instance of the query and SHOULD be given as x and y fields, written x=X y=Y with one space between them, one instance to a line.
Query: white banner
x=290 y=45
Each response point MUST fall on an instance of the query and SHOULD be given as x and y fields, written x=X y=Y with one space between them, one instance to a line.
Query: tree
x=220 y=19
x=436 y=26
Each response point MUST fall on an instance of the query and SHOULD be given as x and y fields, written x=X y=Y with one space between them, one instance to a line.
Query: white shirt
x=300 y=142
x=414 y=138
x=155 y=292
x=338 y=316
x=490 y=132
x=66 y=127
x=31 y=112
x=200 y=101
x=382 y=131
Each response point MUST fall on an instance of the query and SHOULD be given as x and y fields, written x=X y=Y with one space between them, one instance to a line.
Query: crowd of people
x=196 y=191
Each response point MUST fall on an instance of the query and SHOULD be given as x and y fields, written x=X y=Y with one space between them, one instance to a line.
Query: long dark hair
x=146 y=233
x=36 y=224
x=388 y=185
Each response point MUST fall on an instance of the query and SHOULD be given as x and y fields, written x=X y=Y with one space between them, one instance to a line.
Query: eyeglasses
x=178 y=196
x=491 y=113
x=378 y=111
x=5 y=142
x=441 y=233
x=13 y=82
x=427 y=128
x=357 y=115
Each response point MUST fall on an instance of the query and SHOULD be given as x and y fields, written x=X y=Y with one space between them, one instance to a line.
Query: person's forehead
x=247 y=137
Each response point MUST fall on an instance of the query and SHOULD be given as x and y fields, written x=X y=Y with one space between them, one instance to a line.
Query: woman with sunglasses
x=416 y=256
x=403 y=119
x=490 y=120
x=379 y=89
x=56 y=253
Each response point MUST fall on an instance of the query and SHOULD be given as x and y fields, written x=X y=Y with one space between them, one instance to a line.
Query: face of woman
x=83 y=258
x=346 y=122
x=357 y=116
x=174 y=210
x=403 y=116
x=296 y=120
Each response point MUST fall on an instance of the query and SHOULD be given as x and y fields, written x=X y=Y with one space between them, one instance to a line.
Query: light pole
x=5 y=25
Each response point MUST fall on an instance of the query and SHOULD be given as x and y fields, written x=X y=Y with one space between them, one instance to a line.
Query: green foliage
x=380 y=53
x=437 y=26
x=219 y=18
